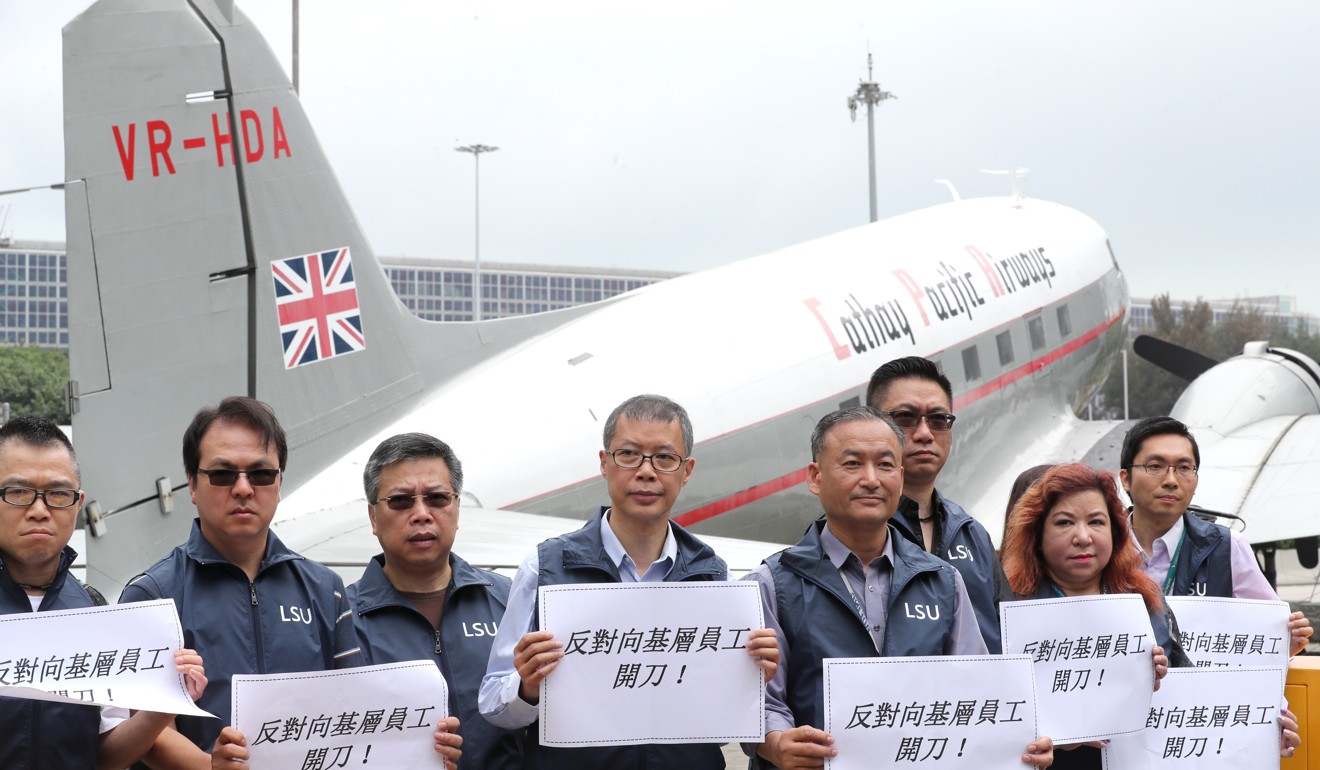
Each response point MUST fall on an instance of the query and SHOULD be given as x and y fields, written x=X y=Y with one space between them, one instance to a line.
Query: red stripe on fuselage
x=773 y=486
x=745 y=497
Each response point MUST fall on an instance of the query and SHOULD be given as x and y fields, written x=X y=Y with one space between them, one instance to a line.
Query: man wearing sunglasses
x=1184 y=554
x=39 y=502
x=247 y=603
x=914 y=394
x=420 y=601
x=646 y=461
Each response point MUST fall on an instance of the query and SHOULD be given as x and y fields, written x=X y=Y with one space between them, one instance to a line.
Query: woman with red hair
x=1069 y=535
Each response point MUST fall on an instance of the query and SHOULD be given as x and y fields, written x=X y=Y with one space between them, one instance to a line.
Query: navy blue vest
x=35 y=735
x=963 y=542
x=820 y=620
x=579 y=557
x=390 y=630
x=1205 y=564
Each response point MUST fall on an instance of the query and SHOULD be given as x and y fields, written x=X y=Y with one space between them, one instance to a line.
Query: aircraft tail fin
x=211 y=253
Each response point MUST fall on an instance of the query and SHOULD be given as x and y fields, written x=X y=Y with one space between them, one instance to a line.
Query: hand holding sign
x=535 y=656
x=379 y=716
x=649 y=663
x=1093 y=662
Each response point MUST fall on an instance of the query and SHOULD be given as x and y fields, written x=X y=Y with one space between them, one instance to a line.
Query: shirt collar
x=614 y=549
x=1169 y=539
x=838 y=553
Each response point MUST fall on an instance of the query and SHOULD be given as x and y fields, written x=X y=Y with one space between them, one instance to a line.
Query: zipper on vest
x=256 y=629
x=437 y=641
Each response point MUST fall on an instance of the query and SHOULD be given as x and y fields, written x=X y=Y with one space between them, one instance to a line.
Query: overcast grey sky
x=685 y=135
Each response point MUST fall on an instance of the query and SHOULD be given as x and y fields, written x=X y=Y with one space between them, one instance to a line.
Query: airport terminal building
x=34 y=287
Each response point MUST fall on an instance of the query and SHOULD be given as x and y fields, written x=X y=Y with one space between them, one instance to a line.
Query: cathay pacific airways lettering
x=871 y=326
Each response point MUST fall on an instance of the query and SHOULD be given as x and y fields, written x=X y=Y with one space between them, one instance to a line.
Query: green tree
x=32 y=380
x=1153 y=391
x=1240 y=326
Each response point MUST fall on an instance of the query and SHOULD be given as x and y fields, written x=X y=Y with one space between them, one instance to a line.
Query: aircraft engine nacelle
x=1261 y=383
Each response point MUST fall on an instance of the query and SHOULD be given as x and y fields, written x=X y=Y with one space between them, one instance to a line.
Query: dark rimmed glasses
x=665 y=462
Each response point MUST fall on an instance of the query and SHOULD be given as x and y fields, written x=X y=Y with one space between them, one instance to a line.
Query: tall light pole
x=295 y=46
x=869 y=93
x=476 y=150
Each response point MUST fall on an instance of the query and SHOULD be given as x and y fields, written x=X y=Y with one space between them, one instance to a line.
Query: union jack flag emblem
x=316 y=298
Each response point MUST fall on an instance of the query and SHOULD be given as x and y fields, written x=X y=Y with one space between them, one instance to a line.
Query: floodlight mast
x=477 y=295
x=869 y=93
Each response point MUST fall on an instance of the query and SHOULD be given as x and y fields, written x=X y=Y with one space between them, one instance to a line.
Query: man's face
x=1165 y=495
x=858 y=475
x=242 y=511
x=926 y=450
x=644 y=493
x=32 y=536
x=420 y=537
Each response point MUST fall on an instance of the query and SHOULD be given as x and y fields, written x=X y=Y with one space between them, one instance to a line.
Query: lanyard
x=857 y=602
x=1173 y=564
x=1104 y=589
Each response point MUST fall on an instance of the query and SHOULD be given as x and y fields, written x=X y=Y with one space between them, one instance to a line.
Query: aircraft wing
x=340 y=537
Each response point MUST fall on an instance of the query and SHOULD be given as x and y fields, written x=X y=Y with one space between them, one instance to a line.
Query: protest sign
x=1092 y=657
x=1207 y=719
x=381 y=716
x=1232 y=632
x=121 y=655
x=652 y=663
x=956 y=712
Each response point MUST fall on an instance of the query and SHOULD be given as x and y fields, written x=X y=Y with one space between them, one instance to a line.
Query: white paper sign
x=374 y=716
x=1206 y=719
x=1232 y=632
x=120 y=655
x=1094 y=675
x=946 y=712
x=652 y=663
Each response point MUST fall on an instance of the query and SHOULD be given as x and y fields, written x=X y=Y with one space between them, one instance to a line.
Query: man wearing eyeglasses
x=247 y=603
x=420 y=601
x=914 y=394
x=1183 y=553
x=646 y=462
x=39 y=502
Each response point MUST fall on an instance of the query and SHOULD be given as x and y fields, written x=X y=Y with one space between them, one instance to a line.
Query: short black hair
x=914 y=367
x=39 y=432
x=1154 y=426
x=649 y=407
x=236 y=409
x=409 y=446
x=850 y=414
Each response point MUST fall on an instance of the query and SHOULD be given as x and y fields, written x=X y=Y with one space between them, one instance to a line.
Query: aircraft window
x=971 y=364
x=1036 y=330
x=1065 y=322
x=1005 y=343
